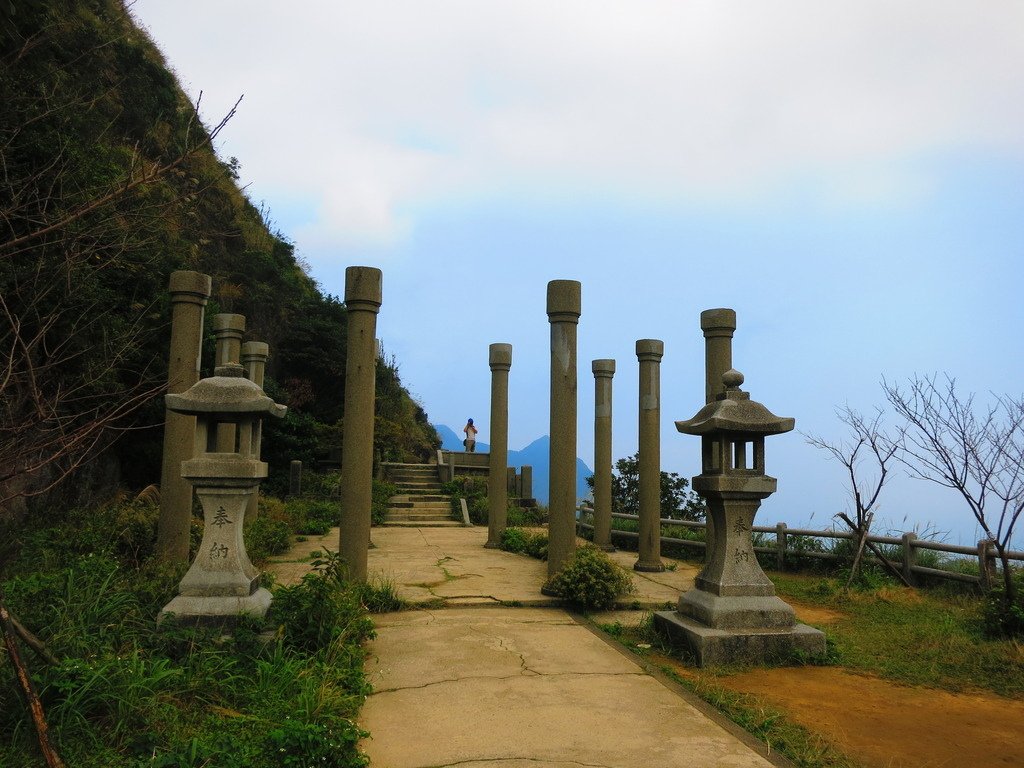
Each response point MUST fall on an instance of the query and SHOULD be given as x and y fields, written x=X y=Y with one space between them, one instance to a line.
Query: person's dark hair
x=470 y=421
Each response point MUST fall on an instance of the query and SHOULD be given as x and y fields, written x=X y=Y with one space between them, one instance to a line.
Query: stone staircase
x=419 y=502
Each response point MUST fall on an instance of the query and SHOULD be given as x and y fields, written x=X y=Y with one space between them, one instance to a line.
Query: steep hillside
x=108 y=184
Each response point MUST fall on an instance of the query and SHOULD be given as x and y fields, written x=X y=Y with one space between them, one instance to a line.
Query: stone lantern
x=222 y=582
x=733 y=613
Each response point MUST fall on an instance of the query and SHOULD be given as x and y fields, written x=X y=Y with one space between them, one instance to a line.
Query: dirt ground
x=886 y=725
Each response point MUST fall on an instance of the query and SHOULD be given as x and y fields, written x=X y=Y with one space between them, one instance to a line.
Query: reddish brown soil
x=886 y=725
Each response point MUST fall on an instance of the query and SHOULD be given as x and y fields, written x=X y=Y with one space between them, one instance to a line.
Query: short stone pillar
x=363 y=295
x=500 y=360
x=718 y=326
x=254 y=361
x=228 y=330
x=649 y=353
x=732 y=614
x=222 y=583
x=526 y=487
x=603 y=370
x=564 y=301
x=189 y=294
x=294 y=478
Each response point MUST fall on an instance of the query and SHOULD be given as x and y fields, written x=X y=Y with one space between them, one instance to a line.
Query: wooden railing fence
x=985 y=552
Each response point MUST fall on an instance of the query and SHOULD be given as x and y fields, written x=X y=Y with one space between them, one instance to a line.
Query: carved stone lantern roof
x=734 y=412
x=228 y=393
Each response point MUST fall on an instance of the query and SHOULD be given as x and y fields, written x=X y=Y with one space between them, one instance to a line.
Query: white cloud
x=373 y=108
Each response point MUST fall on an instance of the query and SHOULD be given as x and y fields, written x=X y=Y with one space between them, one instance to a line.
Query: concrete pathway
x=487 y=671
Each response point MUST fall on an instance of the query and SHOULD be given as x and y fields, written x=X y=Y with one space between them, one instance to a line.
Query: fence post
x=780 y=546
x=986 y=565
x=909 y=557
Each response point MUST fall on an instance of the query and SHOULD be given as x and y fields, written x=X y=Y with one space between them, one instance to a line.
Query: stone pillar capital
x=564 y=301
x=364 y=289
x=500 y=357
x=650 y=350
x=718 y=322
x=603 y=368
x=190 y=288
x=255 y=352
x=226 y=324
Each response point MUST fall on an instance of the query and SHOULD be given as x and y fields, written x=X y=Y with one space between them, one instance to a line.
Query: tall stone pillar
x=649 y=352
x=363 y=293
x=228 y=330
x=254 y=360
x=603 y=372
x=564 y=308
x=189 y=293
x=718 y=326
x=500 y=359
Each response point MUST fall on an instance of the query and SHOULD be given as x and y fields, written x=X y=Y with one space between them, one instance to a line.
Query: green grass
x=917 y=637
x=127 y=694
x=913 y=637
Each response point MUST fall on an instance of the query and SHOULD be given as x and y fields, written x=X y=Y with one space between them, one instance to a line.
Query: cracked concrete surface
x=525 y=687
x=477 y=683
x=451 y=565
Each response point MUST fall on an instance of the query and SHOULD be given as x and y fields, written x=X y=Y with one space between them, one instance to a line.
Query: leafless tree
x=976 y=450
x=867 y=455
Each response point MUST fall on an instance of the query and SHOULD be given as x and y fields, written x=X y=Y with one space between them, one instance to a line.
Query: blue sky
x=846 y=176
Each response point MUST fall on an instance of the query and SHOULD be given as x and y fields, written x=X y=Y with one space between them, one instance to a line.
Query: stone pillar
x=718 y=326
x=500 y=359
x=526 y=491
x=603 y=370
x=295 y=478
x=649 y=352
x=363 y=294
x=189 y=293
x=228 y=330
x=254 y=360
x=564 y=301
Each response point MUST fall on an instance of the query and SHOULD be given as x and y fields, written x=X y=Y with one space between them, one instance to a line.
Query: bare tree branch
x=978 y=451
x=867 y=456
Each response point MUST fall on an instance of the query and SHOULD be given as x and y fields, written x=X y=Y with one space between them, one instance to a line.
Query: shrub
x=474 y=491
x=380 y=495
x=312 y=517
x=590 y=580
x=322 y=610
x=513 y=540
x=526 y=516
x=524 y=542
x=266 y=537
x=1002 y=618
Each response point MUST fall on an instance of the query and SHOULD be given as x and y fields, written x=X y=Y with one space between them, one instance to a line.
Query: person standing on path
x=470 y=441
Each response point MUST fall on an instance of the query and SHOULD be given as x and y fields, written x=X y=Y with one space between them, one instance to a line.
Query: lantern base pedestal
x=728 y=646
x=220 y=610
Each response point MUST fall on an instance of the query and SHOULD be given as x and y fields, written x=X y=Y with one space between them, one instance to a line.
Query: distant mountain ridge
x=536 y=455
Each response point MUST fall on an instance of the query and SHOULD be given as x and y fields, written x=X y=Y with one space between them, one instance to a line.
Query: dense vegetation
x=108 y=184
x=118 y=692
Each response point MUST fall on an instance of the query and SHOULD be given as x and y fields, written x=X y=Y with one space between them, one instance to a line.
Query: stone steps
x=419 y=502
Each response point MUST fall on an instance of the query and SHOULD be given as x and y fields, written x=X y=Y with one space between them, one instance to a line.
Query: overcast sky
x=846 y=175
